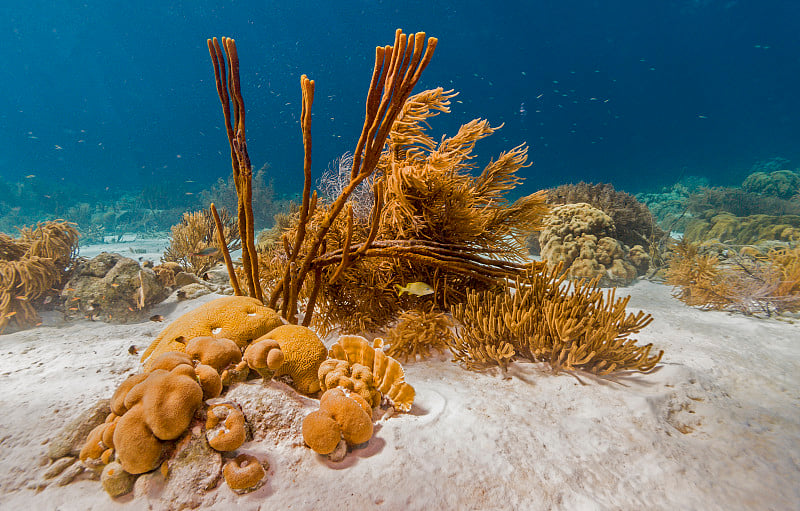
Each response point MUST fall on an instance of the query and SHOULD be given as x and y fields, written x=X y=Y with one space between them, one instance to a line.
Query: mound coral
x=303 y=353
x=265 y=357
x=780 y=183
x=574 y=327
x=244 y=473
x=353 y=377
x=582 y=238
x=225 y=427
x=342 y=415
x=32 y=267
x=748 y=230
x=634 y=223
x=387 y=373
x=239 y=318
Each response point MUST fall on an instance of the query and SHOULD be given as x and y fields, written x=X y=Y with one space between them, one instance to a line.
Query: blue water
x=121 y=94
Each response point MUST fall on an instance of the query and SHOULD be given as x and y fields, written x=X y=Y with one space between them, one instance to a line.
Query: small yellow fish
x=157 y=318
x=30 y=176
x=415 y=288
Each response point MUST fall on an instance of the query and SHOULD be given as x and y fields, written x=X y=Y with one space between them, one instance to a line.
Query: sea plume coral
x=194 y=242
x=575 y=327
x=33 y=267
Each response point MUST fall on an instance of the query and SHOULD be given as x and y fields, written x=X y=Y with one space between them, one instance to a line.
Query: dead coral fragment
x=572 y=328
x=418 y=334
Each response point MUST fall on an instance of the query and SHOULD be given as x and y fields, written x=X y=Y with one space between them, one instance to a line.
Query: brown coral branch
x=225 y=252
x=230 y=95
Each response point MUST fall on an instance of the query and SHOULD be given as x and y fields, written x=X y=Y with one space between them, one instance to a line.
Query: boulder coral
x=353 y=377
x=583 y=238
x=303 y=353
x=342 y=415
x=780 y=183
x=225 y=427
x=244 y=473
x=239 y=318
x=265 y=357
x=147 y=411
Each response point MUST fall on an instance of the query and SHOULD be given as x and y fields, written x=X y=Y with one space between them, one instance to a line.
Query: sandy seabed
x=716 y=427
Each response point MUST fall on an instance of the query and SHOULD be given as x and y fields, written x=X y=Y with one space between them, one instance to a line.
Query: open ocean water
x=107 y=98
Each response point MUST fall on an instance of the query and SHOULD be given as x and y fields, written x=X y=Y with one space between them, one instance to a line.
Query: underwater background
x=103 y=99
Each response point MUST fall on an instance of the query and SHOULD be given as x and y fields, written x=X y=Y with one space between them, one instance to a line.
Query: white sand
x=717 y=427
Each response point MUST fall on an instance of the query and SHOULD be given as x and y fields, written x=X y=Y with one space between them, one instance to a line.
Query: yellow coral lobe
x=303 y=354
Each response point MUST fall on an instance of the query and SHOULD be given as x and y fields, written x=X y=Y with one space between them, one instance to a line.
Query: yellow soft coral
x=303 y=353
x=239 y=318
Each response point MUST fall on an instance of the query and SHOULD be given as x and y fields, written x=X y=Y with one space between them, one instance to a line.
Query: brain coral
x=582 y=238
x=303 y=353
x=342 y=415
x=239 y=318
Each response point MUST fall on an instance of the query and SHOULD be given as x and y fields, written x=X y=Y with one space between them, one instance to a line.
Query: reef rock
x=70 y=440
x=194 y=470
x=111 y=288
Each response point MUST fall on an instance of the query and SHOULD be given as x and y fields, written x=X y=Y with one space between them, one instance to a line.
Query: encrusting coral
x=33 y=268
x=239 y=318
x=575 y=327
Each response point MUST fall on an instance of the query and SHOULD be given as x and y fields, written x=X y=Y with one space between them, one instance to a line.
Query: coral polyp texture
x=582 y=238
x=238 y=318
x=576 y=327
x=303 y=353
x=387 y=374
x=342 y=416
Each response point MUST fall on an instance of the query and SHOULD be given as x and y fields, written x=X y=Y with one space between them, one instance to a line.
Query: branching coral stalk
x=230 y=96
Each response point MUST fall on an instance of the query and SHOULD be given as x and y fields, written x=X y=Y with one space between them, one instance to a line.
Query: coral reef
x=342 y=416
x=780 y=183
x=350 y=376
x=635 y=224
x=388 y=376
x=729 y=228
x=194 y=241
x=575 y=327
x=239 y=318
x=582 y=239
x=111 y=288
x=418 y=334
x=32 y=270
x=303 y=353
x=719 y=277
